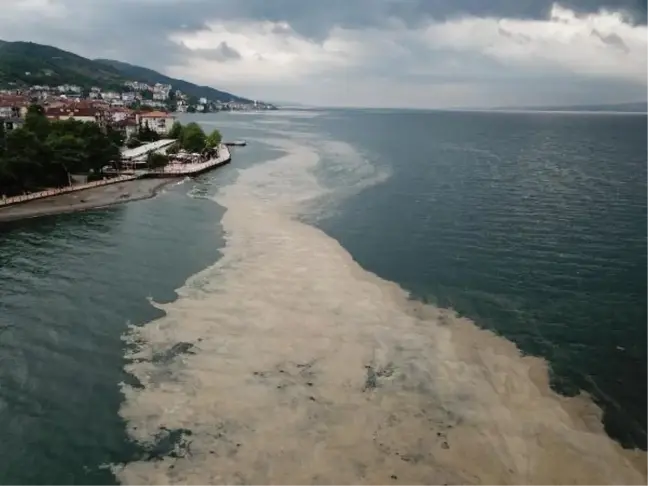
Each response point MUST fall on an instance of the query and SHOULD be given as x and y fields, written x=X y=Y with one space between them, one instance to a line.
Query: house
x=128 y=125
x=79 y=113
x=202 y=101
x=153 y=104
x=121 y=114
x=158 y=121
x=128 y=97
x=11 y=123
x=13 y=106
x=69 y=88
x=111 y=95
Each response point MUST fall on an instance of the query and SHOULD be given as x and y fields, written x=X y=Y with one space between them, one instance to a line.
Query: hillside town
x=127 y=109
x=123 y=104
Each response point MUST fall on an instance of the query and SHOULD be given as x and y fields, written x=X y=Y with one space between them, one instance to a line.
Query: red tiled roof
x=71 y=111
x=13 y=100
x=155 y=114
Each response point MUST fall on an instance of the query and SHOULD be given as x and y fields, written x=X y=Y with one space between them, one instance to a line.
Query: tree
x=156 y=160
x=35 y=109
x=133 y=142
x=176 y=130
x=36 y=122
x=68 y=151
x=23 y=157
x=214 y=139
x=193 y=138
x=146 y=134
x=43 y=153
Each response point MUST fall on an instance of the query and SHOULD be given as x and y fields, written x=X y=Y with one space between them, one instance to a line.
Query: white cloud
x=17 y=10
x=356 y=65
x=600 y=44
x=463 y=60
x=269 y=52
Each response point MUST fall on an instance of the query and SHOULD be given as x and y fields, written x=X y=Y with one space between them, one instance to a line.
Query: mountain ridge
x=29 y=63
x=143 y=74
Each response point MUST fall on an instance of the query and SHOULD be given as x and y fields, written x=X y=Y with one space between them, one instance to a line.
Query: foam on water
x=286 y=362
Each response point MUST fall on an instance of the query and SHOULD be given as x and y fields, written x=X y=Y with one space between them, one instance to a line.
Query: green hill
x=28 y=64
x=137 y=73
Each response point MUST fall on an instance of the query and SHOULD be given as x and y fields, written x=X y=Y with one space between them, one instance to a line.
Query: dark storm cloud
x=140 y=32
x=612 y=40
x=139 y=29
x=315 y=19
x=223 y=53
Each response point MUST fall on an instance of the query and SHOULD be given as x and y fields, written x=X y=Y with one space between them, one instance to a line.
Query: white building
x=153 y=103
x=128 y=97
x=157 y=121
x=111 y=95
x=69 y=88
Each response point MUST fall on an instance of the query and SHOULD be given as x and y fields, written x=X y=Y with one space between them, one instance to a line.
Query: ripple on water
x=289 y=363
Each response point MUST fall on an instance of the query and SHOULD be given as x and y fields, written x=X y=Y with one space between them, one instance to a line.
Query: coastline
x=87 y=199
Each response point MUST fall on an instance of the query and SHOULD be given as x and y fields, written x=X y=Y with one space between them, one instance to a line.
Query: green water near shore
x=533 y=226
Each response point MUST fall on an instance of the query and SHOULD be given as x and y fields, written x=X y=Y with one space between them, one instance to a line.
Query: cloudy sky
x=383 y=53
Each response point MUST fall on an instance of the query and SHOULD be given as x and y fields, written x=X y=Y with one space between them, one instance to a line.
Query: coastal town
x=64 y=140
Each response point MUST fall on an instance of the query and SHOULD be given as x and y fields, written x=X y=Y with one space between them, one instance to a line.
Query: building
x=128 y=125
x=121 y=114
x=137 y=86
x=111 y=95
x=153 y=104
x=79 y=113
x=158 y=121
x=128 y=97
x=13 y=106
x=11 y=123
x=69 y=88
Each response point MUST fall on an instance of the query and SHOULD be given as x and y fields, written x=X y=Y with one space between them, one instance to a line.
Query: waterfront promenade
x=179 y=170
x=170 y=171
x=8 y=201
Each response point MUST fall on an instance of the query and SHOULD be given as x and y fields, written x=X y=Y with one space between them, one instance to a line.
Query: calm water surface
x=531 y=225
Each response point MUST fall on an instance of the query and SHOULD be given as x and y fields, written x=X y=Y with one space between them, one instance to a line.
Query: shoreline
x=87 y=199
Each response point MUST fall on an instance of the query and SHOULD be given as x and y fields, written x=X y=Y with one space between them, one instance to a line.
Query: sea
x=361 y=296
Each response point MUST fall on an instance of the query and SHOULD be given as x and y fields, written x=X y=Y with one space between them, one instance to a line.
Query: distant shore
x=94 y=198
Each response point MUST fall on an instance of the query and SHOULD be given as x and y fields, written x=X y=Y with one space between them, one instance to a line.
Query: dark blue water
x=532 y=225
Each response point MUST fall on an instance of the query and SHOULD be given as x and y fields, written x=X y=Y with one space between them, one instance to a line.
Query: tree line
x=43 y=154
x=192 y=138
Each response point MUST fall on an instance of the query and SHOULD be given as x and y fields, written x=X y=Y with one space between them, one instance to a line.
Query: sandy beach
x=97 y=197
